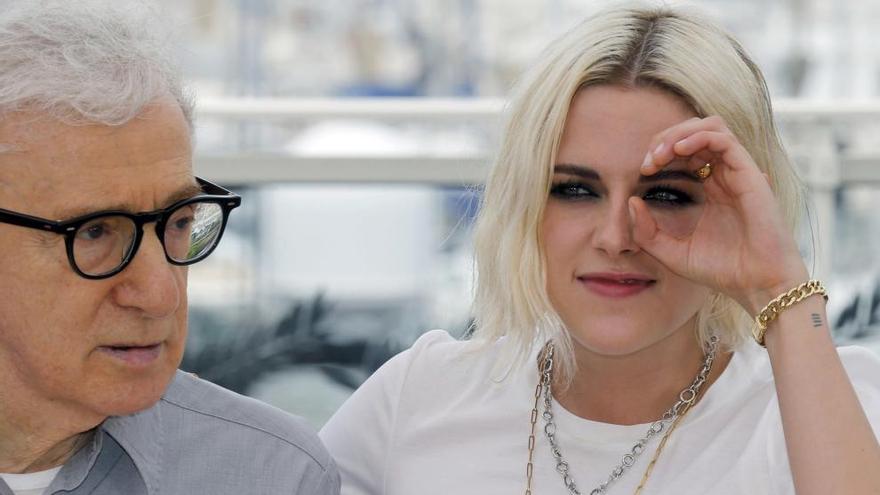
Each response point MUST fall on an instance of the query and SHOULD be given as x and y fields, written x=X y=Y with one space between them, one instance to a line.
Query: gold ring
x=705 y=171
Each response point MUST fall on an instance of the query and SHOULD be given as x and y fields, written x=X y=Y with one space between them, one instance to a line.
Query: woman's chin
x=619 y=343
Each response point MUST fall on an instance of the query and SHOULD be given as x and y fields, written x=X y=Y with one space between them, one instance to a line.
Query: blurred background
x=358 y=132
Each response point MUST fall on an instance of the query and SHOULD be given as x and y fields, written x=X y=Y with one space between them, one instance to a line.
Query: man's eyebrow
x=185 y=192
x=665 y=174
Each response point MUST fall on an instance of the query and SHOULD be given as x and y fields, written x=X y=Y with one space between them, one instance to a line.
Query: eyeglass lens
x=104 y=243
x=192 y=230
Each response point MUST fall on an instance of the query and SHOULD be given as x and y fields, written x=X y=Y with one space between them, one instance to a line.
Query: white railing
x=458 y=109
x=810 y=129
x=261 y=167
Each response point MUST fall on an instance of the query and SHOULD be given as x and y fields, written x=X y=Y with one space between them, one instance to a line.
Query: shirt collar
x=76 y=470
x=141 y=436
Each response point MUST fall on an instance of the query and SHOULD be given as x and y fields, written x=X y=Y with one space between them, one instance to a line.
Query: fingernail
x=649 y=159
x=658 y=149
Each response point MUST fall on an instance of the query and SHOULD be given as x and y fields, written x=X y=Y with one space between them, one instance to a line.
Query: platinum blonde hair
x=632 y=45
x=85 y=61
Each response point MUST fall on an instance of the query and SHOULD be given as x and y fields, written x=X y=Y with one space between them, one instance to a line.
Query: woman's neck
x=636 y=388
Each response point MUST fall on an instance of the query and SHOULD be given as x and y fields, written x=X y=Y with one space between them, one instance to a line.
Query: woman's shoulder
x=754 y=376
x=748 y=380
x=436 y=371
x=862 y=365
x=438 y=345
x=438 y=358
x=858 y=357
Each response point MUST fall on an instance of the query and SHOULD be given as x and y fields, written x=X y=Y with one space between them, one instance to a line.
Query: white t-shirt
x=433 y=421
x=30 y=483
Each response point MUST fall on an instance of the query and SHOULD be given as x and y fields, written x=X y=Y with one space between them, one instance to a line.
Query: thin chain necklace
x=671 y=418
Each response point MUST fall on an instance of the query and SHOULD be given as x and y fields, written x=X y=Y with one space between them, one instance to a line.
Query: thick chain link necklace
x=668 y=422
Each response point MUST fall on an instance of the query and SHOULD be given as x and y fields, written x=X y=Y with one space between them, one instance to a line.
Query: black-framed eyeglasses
x=102 y=244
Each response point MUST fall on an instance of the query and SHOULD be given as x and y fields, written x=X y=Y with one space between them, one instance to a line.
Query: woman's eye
x=667 y=196
x=571 y=190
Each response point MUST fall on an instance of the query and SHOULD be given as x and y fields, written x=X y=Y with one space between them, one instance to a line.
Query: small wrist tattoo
x=817 y=320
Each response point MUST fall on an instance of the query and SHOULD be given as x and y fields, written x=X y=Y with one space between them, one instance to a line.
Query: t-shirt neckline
x=39 y=480
x=601 y=434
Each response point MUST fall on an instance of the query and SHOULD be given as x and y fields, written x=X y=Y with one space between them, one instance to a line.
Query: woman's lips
x=136 y=356
x=616 y=285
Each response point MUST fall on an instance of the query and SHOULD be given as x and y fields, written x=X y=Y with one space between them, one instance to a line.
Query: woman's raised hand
x=741 y=245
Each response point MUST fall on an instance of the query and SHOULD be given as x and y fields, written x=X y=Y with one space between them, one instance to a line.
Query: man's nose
x=150 y=283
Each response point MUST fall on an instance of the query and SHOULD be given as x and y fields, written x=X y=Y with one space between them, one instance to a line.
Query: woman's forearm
x=831 y=446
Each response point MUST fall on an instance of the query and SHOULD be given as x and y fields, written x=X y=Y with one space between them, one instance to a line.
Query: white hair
x=86 y=61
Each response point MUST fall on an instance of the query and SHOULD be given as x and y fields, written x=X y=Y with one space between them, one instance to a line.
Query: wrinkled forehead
x=48 y=167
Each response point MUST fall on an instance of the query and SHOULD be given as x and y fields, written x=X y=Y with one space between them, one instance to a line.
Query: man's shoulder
x=201 y=438
x=208 y=409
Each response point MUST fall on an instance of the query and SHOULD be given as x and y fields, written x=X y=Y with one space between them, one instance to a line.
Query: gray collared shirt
x=200 y=439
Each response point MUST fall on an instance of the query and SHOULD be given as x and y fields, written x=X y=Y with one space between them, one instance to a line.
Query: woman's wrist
x=806 y=323
x=756 y=299
x=786 y=303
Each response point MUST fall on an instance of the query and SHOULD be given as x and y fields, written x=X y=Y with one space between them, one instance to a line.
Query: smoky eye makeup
x=672 y=188
x=669 y=188
x=668 y=196
x=572 y=189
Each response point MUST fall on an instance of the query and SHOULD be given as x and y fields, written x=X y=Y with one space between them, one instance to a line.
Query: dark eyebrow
x=670 y=175
x=578 y=170
x=185 y=192
x=588 y=173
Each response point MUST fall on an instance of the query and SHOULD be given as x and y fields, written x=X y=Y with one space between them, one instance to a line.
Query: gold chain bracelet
x=786 y=300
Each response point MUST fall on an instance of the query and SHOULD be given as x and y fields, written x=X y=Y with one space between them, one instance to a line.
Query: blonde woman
x=638 y=218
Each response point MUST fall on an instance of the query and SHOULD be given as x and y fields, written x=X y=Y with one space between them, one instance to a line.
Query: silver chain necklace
x=686 y=399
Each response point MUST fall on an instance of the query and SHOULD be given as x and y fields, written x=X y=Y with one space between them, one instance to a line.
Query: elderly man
x=101 y=215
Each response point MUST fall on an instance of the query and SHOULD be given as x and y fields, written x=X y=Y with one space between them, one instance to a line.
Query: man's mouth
x=133 y=355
